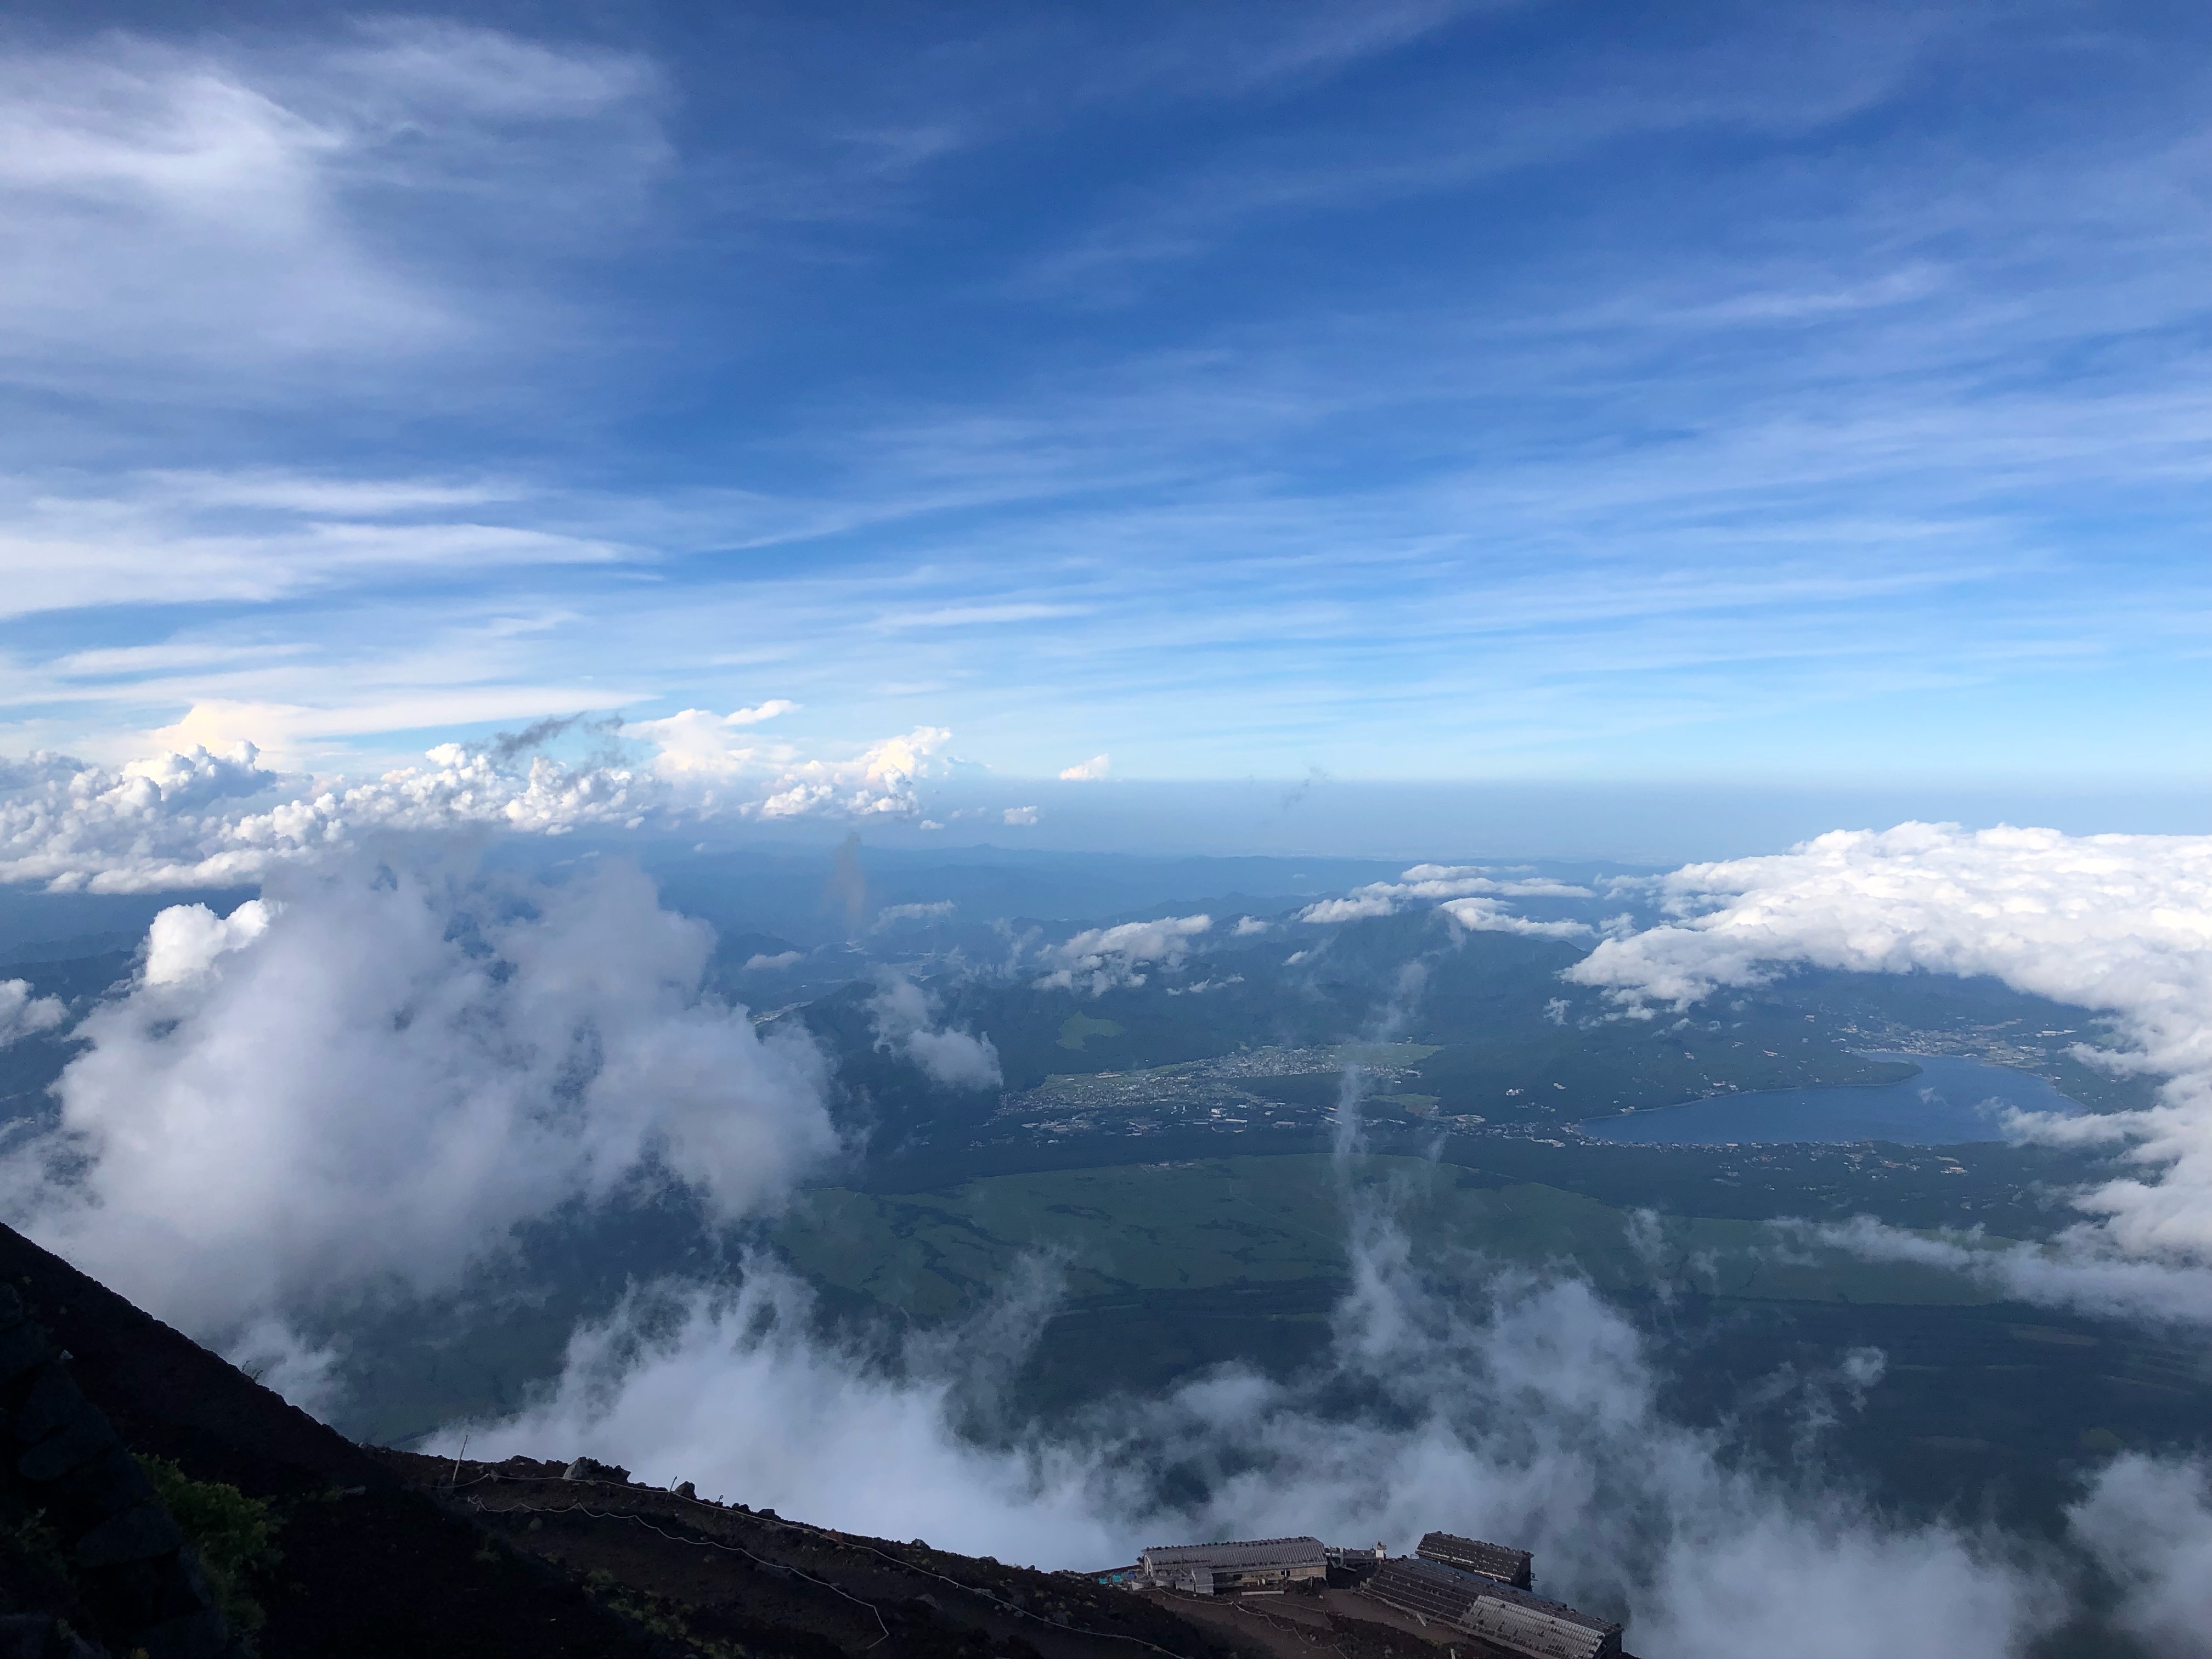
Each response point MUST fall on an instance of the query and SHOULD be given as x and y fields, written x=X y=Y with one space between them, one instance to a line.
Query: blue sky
x=1600 y=393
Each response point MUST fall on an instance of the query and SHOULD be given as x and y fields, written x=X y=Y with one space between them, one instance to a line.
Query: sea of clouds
x=355 y=1087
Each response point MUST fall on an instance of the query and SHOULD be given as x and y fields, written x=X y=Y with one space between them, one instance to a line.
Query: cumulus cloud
x=715 y=761
x=367 y=1081
x=1101 y=959
x=23 y=1014
x=1086 y=771
x=905 y=1023
x=878 y=782
x=1431 y=882
x=202 y=820
x=1247 y=925
x=1489 y=916
x=1356 y=908
x=693 y=740
x=762 y=962
x=1526 y=1410
x=184 y=940
x=1020 y=815
x=2119 y=924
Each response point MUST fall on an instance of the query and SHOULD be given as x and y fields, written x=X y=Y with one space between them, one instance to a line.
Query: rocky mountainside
x=155 y=1500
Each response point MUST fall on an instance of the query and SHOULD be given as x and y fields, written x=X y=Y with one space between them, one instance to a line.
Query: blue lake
x=1951 y=1101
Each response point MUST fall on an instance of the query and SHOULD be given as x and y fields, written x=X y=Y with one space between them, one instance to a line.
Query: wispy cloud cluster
x=24 y=1013
x=1101 y=959
x=2097 y=1283
x=892 y=914
x=906 y=1023
x=255 y=536
x=2119 y=924
x=2148 y=1523
x=362 y=1083
x=1490 y=915
x=1748 y=455
x=1481 y=910
x=1525 y=1410
x=235 y=205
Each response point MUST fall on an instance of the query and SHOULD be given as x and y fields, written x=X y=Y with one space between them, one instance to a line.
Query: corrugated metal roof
x=1239 y=1557
x=1497 y=1613
x=1508 y=1566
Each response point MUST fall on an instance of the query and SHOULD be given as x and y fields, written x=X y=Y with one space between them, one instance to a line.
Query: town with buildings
x=1228 y=1092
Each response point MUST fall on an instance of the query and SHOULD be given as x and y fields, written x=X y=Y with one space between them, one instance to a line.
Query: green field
x=1076 y=1027
x=1217 y=1223
x=1985 y=1405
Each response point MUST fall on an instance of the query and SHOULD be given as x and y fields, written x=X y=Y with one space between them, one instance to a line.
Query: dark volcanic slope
x=386 y=1553
x=379 y=1570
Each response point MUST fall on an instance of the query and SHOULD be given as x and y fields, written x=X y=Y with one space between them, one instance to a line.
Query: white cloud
x=23 y=1014
x=1444 y=881
x=215 y=209
x=1086 y=771
x=367 y=1082
x=878 y=782
x=185 y=819
x=1021 y=814
x=1101 y=959
x=1530 y=1412
x=2148 y=1523
x=167 y=537
x=1356 y=908
x=1247 y=925
x=694 y=740
x=892 y=914
x=2121 y=924
x=184 y=940
x=306 y=1374
x=1199 y=987
x=2101 y=1283
x=905 y=1023
x=761 y=961
x=1488 y=916
x=714 y=754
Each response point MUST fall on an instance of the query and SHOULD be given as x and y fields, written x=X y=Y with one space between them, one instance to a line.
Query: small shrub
x=36 y=1538
x=233 y=1535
